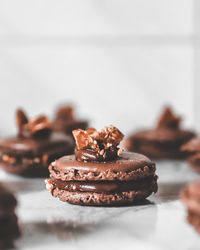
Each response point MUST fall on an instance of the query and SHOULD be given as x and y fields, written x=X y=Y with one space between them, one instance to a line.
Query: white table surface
x=160 y=223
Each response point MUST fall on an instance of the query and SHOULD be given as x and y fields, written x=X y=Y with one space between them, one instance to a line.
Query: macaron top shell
x=127 y=167
x=18 y=145
x=163 y=135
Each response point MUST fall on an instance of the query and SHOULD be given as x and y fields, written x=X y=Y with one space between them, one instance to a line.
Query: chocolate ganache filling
x=100 y=146
x=106 y=186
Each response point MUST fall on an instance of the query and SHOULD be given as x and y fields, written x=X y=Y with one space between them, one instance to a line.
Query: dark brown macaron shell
x=9 y=228
x=162 y=142
x=127 y=179
x=159 y=144
x=31 y=156
x=103 y=199
x=129 y=166
x=8 y=201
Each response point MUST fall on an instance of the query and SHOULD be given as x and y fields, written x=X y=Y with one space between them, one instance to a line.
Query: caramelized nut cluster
x=65 y=113
x=38 y=127
x=168 y=120
x=93 y=145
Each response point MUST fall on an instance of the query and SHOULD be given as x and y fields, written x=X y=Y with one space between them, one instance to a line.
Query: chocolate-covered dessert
x=162 y=142
x=35 y=146
x=192 y=150
x=190 y=196
x=100 y=173
x=9 y=229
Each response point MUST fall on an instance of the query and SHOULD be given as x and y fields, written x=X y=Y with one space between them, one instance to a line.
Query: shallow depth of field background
x=119 y=61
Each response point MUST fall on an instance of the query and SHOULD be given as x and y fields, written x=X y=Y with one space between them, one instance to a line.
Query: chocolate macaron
x=162 y=142
x=99 y=173
x=9 y=229
x=66 y=121
x=35 y=146
x=192 y=150
x=190 y=196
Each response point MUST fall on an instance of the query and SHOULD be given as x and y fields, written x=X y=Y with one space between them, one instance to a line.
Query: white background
x=118 y=61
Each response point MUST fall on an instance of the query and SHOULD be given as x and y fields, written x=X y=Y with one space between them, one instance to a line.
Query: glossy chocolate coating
x=30 y=146
x=159 y=143
x=167 y=136
x=126 y=162
x=31 y=157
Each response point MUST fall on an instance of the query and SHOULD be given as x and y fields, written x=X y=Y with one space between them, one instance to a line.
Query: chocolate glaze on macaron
x=192 y=150
x=35 y=146
x=99 y=173
x=190 y=196
x=162 y=142
x=9 y=229
x=65 y=120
